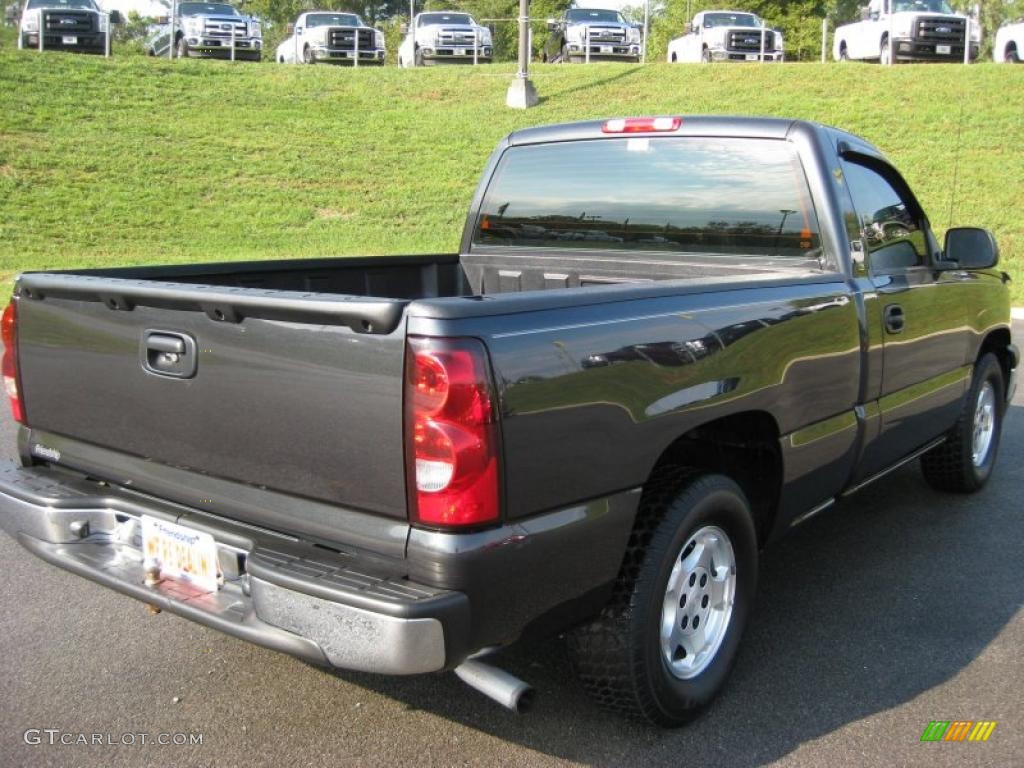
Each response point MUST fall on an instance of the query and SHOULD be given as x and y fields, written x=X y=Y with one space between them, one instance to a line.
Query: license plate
x=180 y=553
x=69 y=40
x=606 y=49
x=459 y=51
x=752 y=57
x=943 y=49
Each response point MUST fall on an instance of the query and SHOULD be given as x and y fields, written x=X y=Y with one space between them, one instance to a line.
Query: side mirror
x=971 y=248
x=552 y=24
x=693 y=29
x=116 y=17
x=403 y=29
x=163 y=20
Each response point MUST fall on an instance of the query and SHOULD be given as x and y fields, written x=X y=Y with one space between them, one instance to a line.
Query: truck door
x=922 y=312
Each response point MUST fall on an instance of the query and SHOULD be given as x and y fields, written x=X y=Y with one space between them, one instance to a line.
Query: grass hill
x=134 y=160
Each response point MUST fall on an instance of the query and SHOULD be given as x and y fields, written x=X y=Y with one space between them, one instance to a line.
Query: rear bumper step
x=348 y=610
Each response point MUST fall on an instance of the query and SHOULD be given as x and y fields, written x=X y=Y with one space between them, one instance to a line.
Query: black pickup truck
x=663 y=343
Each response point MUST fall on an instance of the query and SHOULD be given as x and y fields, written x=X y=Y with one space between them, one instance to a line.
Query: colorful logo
x=958 y=730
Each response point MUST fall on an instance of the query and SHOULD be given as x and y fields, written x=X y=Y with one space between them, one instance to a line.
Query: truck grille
x=607 y=34
x=70 y=22
x=344 y=39
x=940 y=29
x=750 y=41
x=221 y=28
x=455 y=37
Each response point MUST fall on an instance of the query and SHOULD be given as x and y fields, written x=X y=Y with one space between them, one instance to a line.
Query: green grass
x=133 y=160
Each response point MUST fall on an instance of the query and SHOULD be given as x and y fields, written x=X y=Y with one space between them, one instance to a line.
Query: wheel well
x=744 y=447
x=998 y=343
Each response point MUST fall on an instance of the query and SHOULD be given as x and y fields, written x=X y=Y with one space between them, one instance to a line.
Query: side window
x=892 y=237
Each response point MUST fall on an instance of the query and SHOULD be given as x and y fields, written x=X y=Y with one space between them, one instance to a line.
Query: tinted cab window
x=892 y=234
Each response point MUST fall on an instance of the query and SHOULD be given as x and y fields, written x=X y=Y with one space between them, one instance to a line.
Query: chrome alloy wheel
x=698 y=602
x=984 y=424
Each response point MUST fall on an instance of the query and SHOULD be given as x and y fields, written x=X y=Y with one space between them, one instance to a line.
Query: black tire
x=674 y=59
x=1012 y=57
x=307 y=55
x=951 y=466
x=705 y=56
x=417 y=58
x=885 y=52
x=182 y=48
x=618 y=656
x=563 y=57
x=844 y=55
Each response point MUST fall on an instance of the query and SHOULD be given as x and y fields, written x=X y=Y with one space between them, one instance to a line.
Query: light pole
x=521 y=93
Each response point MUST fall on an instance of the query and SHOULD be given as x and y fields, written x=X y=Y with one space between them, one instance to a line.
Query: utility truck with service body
x=329 y=37
x=920 y=30
x=590 y=419
x=444 y=37
x=591 y=34
x=80 y=26
x=727 y=36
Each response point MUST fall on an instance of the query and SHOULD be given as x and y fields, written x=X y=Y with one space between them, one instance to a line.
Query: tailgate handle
x=168 y=353
x=159 y=342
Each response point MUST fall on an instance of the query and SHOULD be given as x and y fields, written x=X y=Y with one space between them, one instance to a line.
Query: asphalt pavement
x=898 y=607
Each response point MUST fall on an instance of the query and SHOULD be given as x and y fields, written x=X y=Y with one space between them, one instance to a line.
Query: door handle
x=895 y=320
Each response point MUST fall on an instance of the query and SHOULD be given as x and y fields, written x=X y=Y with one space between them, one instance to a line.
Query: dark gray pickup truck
x=663 y=343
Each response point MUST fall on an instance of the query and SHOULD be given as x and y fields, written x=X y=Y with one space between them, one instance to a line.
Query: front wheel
x=885 y=57
x=1012 y=57
x=705 y=56
x=663 y=647
x=182 y=47
x=963 y=464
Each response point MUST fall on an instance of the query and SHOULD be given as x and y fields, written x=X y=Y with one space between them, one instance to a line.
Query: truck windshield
x=77 y=5
x=428 y=19
x=333 y=20
x=922 y=6
x=731 y=20
x=582 y=15
x=206 y=9
x=676 y=195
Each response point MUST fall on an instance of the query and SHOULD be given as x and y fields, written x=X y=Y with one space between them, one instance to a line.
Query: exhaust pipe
x=497 y=684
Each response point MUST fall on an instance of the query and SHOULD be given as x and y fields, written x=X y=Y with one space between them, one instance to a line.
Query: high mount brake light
x=10 y=361
x=642 y=124
x=451 y=433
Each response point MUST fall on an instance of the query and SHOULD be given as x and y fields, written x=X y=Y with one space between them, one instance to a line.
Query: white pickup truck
x=727 y=36
x=330 y=37
x=65 y=25
x=922 y=30
x=444 y=37
x=1009 y=45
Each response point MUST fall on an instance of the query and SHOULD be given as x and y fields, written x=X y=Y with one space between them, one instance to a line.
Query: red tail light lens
x=451 y=433
x=10 y=361
x=642 y=124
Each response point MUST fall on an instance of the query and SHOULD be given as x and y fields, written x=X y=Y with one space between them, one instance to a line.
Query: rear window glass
x=679 y=195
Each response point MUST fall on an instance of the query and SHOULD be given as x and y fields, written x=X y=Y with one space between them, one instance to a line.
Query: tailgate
x=295 y=393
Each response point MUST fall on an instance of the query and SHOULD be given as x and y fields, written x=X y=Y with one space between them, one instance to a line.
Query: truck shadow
x=576 y=89
x=860 y=610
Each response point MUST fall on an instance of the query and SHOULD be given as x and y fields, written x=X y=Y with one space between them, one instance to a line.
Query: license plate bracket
x=944 y=49
x=69 y=40
x=606 y=49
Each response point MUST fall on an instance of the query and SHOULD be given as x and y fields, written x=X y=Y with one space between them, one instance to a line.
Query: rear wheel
x=964 y=462
x=663 y=647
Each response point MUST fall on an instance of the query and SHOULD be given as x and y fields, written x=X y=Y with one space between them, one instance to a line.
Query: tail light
x=10 y=361
x=641 y=124
x=451 y=433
